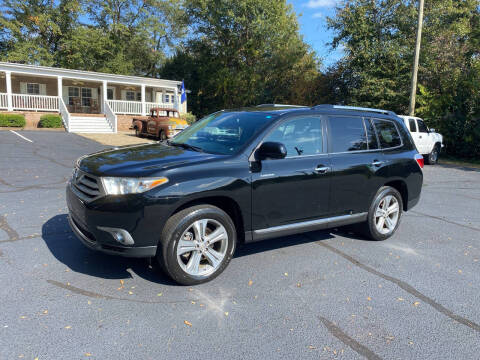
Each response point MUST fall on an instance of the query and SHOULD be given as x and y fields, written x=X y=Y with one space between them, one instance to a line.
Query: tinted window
x=223 y=132
x=422 y=127
x=371 y=136
x=301 y=136
x=413 y=125
x=347 y=134
x=387 y=133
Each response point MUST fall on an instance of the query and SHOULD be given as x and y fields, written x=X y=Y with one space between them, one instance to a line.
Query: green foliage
x=12 y=120
x=189 y=117
x=378 y=38
x=243 y=53
x=50 y=121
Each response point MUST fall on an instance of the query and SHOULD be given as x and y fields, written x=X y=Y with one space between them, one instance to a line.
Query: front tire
x=384 y=214
x=197 y=244
x=162 y=136
x=432 y=158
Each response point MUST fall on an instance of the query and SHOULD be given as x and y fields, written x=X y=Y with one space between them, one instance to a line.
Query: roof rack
x=278 y=105
x=355 y=108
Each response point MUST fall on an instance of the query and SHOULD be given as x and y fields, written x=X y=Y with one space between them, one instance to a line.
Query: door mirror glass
x=271 y=150
x=432 y=130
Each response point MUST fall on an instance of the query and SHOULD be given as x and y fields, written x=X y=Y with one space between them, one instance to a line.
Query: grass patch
x=12 y=120
x=50 y=121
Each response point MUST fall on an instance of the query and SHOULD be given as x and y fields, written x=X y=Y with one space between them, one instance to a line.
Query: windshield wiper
x=186 y=146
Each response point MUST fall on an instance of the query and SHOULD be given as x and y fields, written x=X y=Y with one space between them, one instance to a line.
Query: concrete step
x=89 y=124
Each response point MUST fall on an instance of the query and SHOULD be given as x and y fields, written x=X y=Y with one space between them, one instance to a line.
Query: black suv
x=246 y=175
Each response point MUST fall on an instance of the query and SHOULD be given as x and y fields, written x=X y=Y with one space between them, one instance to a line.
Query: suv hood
x=140 y=160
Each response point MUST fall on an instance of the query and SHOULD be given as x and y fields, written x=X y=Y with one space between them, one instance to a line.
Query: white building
x=87 y=101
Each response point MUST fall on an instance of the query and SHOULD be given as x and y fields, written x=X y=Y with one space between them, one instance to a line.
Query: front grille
x=86 y=186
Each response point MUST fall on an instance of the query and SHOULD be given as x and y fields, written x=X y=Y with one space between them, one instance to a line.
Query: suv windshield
x=222 y=133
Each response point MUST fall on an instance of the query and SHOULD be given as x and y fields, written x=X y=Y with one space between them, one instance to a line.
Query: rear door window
x=422 y=127
x=347 y=133
x=412 y=124
x=387 y=133
x=371 y=135
x=301 y=136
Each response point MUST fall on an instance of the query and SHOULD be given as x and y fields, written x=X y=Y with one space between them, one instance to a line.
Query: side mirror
x=431 y=130
x=271 y=150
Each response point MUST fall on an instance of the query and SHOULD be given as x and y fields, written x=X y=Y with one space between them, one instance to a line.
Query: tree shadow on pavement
x=67 y=249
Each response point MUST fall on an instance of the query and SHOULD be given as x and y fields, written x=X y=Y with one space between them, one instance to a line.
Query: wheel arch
x=227 y=204
x=401 y=187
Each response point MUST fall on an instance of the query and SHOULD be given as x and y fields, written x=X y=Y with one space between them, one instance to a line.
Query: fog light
x=120 y=235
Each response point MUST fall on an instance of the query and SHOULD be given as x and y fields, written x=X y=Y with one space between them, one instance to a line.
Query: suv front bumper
x=133 y=215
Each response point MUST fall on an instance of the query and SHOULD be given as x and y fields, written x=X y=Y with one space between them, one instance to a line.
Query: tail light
x=420 y=160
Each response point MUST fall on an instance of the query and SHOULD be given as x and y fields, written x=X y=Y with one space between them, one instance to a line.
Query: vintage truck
x=162 y=123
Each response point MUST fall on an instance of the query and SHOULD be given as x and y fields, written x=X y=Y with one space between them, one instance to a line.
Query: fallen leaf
x=159 y=294
x=400 y=299
x=89 y=302
x=45 y=311
x=311 y=347
x=286 y=274
x=68 y=327
x=88 y=354
x=226 y=313
x=250 y=282
x=459 y=271
x=131 y=293
x=121 y=282
x=416 y=303
x=193 y=302
x=299 y=285
x=369 y=298
x=188 y=323
x=23 y=317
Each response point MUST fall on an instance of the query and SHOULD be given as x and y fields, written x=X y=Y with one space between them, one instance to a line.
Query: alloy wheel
x=202 y=247
x=387 y=214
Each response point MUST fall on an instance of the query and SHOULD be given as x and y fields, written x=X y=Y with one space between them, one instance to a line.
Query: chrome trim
x=306 y=224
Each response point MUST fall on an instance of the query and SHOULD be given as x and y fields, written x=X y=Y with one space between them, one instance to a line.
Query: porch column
x=144 y=108
x=59 y=88
x=8 y=79
x=104 y=94
x=175 y=101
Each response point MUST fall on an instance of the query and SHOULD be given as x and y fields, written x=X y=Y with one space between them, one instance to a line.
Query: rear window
x=347 y=134
x=422 y=127
x=387 y=133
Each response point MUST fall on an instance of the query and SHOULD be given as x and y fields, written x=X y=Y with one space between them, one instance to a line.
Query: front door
x=357 y=164
x=296 y=188
x=423 y=137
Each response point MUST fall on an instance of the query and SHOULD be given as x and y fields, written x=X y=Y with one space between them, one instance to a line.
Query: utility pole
x=413 y=92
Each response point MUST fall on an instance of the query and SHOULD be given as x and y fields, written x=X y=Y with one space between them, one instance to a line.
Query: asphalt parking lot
x=327 y=294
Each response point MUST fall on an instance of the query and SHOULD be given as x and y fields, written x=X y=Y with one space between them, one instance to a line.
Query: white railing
x=34 y=102
x=125 y=107
x=149 y=105
x=65 y=114
x=3 y=101
x=110 y=115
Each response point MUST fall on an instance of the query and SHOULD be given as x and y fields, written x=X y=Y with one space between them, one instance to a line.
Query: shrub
x=12 y=120
x=50 y=121
x=189 y=117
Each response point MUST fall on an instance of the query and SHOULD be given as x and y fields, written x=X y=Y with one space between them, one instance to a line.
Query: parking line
x=23 y=137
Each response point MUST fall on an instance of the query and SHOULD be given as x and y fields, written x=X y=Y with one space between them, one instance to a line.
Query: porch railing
x=149 y=105
x=110 y=116
x=3 y=101
x=65 y=114
x=125 y=107
x=34 y=102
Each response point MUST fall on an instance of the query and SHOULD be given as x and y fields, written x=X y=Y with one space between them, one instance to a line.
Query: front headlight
x=171 y=127
x=122 y=186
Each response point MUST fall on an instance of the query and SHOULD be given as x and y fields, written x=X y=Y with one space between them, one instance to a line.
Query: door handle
x=420 y=136
x=377 y=163
x=322 y=169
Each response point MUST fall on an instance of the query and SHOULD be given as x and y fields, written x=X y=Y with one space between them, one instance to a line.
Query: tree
x=243 y=53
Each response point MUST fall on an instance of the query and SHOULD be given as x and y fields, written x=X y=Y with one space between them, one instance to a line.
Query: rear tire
x=197 y=244
x=138 y=133
x=384 y=215
x=432 y=158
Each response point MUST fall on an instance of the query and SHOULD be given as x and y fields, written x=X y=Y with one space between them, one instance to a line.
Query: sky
x=312 y=16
